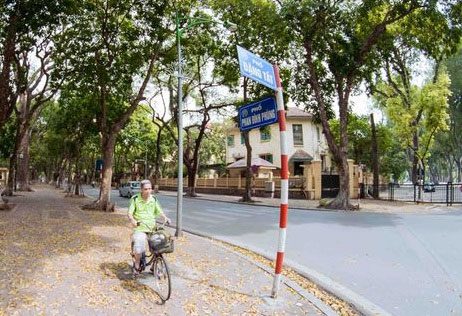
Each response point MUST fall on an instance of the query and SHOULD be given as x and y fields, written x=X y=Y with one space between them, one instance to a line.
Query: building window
x=230 y=140
x=265 y=134
x=242 y=139
x=267 y=157
x=298 y=134
x=318 y=133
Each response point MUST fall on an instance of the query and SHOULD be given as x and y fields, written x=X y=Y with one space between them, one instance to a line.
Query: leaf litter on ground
x=67 y=260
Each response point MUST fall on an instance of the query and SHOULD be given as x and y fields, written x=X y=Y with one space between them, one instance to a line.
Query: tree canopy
x=110 y=59
x=340 y=45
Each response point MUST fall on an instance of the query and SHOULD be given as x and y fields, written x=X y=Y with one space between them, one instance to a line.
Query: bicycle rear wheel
x=161 y=278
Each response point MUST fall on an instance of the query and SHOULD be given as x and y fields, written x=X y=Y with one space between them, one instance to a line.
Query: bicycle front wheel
x=161 y=278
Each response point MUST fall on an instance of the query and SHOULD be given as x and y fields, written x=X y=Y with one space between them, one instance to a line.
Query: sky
x=362 y=105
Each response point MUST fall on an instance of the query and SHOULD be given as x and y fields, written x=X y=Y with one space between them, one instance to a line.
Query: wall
x=306 y=187
x=293 y=194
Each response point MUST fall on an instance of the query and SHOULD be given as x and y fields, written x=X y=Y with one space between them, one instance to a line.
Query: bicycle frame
x=152 y=254
x=159 y=268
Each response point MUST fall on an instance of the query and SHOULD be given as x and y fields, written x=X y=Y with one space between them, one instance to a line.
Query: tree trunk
x=49 y=173
x=415 y=159
x=459 y=169
x=158 y=158
x=77 y=178
x=13 y=168
x=247 y=197
x=105 y=190
x=77 y=185
x=10 y=185
x=192 y=182
x=7 y=96
x=23 y=180
x=103 y=203
x=424 y=170
x=192 y=166
x=342 y=200
x=69 y=177
x=375 y=160
x=61 y=173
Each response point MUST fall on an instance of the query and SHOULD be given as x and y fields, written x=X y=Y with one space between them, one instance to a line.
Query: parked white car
x=130 y=188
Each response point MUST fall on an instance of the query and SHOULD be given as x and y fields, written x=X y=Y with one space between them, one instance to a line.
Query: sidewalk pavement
x=365 y=205
x=58 y=259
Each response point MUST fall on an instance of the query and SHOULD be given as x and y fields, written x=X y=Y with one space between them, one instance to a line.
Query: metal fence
x=295 y=183
x=447 y=193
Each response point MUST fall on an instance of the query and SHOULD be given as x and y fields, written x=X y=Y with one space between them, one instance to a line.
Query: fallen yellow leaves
x=94 y=295
x=70 y=261
x=343 y=308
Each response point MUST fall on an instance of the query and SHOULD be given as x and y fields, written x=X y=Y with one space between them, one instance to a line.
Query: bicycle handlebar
x=152 y=229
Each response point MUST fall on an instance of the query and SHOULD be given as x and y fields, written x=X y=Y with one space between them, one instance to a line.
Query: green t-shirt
x=144 y=212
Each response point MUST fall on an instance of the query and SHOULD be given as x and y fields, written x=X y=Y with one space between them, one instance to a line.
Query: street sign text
x=256 y=68
x=258 y=114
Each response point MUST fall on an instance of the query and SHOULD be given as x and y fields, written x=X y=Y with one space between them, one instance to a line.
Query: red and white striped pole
x=284 y=208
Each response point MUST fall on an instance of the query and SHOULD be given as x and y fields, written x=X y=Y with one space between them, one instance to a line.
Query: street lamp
x=190 y=22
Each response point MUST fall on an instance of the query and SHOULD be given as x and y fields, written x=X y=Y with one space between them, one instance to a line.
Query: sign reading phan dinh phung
x=258 y=114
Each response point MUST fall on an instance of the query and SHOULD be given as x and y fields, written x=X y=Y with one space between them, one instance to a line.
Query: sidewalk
x=57 y=259
x=366 y=205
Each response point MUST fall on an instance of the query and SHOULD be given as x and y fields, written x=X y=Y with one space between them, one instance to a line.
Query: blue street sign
x=256 y=68
x=258 y=114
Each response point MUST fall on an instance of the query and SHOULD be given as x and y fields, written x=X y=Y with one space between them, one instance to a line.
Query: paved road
x=407 y=264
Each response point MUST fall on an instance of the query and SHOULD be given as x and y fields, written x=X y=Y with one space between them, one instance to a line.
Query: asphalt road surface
x=407 y=264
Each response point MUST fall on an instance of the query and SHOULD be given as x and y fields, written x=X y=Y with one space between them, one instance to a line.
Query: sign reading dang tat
x=258 y=114
x=256 y=68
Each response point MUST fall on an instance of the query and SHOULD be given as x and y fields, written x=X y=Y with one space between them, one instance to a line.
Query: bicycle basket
x=161 y=241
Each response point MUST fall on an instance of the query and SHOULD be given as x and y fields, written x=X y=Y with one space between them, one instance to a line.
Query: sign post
x=260 y=70
x=284 y=206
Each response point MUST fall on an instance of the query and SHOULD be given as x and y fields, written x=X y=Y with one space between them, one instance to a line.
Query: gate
x=330 y=185
x=454 y=193
x=448 y=193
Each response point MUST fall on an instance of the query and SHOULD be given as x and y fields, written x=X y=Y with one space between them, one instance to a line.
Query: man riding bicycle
x=142 y=212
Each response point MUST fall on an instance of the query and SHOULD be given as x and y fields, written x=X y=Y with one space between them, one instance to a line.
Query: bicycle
x=159 y=243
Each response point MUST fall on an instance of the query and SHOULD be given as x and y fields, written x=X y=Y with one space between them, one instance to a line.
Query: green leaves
x=416 y=116
x=260 y=29
x=108 y=43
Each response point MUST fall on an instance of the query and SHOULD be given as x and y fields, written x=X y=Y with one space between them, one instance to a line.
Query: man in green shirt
x=142 y=212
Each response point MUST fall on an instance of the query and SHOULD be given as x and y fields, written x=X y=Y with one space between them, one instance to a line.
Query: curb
x=320 y=305
x=363 y=305
x=363 y=210
x=360 y=303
